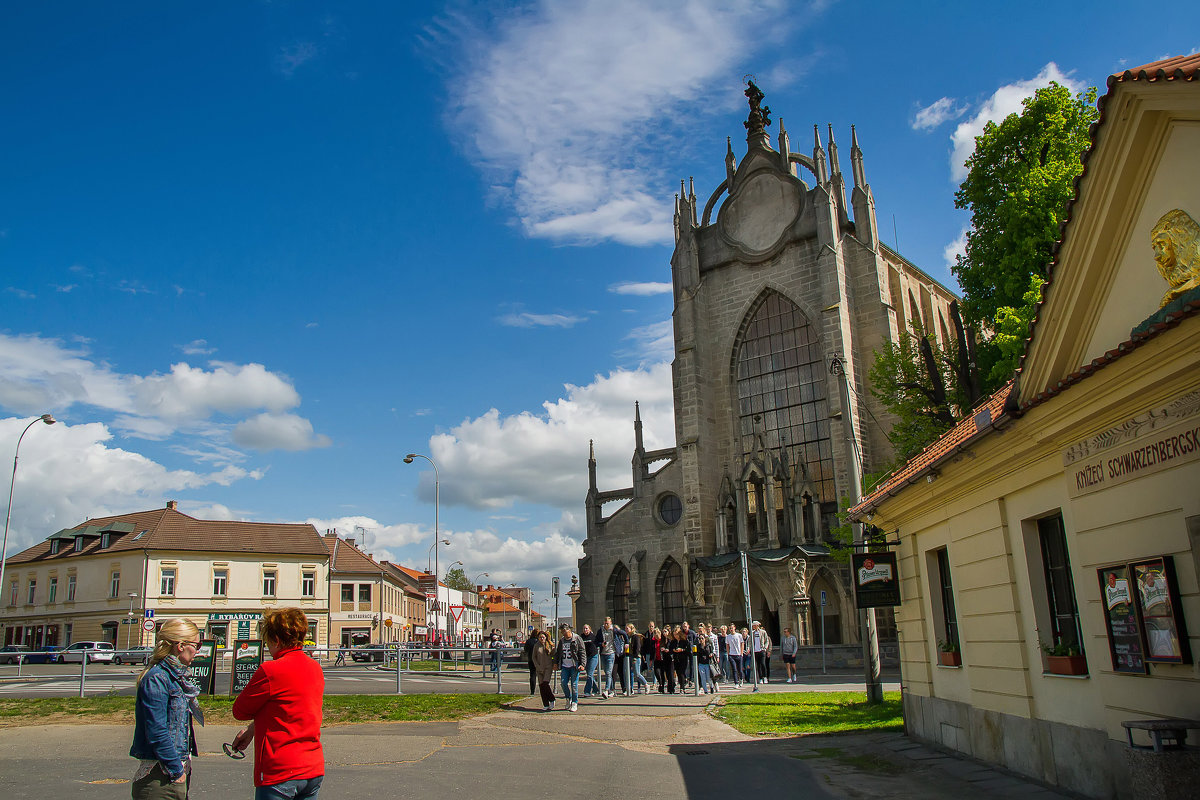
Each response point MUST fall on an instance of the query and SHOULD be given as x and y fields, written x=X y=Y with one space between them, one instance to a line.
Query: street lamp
x=49 y=420
x=430 y=550
x=129 y=630
x=437 y=481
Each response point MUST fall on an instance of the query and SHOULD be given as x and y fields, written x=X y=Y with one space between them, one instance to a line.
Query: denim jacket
x=163 y=720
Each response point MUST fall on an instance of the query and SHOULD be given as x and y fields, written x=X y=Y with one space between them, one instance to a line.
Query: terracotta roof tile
x=168 y=529
x=1168 y=69
x=502 y=608
x=348 y=558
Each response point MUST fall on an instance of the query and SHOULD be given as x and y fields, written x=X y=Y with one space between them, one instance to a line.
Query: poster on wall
x=247 y=657
x=1162 y=621
x=1121 y=621
x=876 y=579
x=201 y=672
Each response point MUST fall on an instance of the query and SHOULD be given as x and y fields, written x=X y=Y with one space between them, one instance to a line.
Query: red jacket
x=284 y=700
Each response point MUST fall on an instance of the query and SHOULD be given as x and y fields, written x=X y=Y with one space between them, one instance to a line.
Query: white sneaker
x=573 y=707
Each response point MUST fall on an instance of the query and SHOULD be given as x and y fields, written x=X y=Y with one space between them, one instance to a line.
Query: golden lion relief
x=1176 y=242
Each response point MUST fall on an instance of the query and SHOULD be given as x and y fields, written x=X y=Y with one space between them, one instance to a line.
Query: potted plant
x=1064 y=658
x=948 y=653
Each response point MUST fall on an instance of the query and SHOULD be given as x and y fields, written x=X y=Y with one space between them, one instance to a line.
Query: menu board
x=247 y=657
x=1162 y=622
x=1121 y=621
x=201 y=672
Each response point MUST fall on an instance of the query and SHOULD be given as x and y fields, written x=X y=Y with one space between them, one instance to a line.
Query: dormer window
x=54 y=546
x=78 y=544
x=105 y=539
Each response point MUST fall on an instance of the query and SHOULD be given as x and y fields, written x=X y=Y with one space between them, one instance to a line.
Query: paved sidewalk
x=667 y=742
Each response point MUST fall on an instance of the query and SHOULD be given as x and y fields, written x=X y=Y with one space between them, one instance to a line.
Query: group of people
x=281 y=703
x=665 y=656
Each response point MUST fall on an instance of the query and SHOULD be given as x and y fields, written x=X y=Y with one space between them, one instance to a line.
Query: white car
x=96 y=652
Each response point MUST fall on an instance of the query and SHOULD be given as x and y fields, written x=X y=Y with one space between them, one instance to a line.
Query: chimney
x=350 y=541
x=172 y=505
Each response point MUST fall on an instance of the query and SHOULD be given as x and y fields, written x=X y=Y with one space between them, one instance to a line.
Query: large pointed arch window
x=781 y=378
x=618 y=595
x=670 y=592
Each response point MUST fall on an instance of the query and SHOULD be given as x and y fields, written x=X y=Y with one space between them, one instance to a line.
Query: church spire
x=785 y=148
x=637 y=427
x=730 y=163
x=592 y=465
x=819 y=157
x=834 y=168
x=856 y=160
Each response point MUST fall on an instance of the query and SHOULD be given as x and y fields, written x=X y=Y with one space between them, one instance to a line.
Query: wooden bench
x=1165 y=734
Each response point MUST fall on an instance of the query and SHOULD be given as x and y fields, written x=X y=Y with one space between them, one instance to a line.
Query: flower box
x=1067 y=665
x=953 y=659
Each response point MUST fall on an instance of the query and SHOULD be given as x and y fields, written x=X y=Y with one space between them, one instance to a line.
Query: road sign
x=388 y=622
x=149 y=613
x=554 y=587
x=148 y=625
x=457 y=612
x=822 y=597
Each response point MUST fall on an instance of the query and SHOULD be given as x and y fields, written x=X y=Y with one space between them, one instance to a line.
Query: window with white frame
x=220 y=582
x=52 y=590
x=54 y=546
x=12 y=596
x=269 y=583
x=166 y=585
x=308 y=584
x=70 y=588
x=114 y=585
x=32 y=591
x=105 y=539
x=78 y=544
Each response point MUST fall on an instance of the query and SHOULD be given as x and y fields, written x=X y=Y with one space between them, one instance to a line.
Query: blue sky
x=251 y=254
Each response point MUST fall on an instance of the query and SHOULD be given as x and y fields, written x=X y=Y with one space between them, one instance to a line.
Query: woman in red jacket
x=283 y=703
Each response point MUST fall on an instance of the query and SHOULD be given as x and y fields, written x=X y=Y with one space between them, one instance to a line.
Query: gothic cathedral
x=781 y=298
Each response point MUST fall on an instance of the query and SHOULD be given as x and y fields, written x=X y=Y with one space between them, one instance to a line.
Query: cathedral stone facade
x=783 y=292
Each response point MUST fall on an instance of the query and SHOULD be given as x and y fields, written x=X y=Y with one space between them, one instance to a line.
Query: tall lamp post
x=49 y=420
x=437 y=481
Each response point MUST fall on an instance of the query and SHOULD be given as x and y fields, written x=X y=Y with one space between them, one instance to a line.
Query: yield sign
x=457 y=612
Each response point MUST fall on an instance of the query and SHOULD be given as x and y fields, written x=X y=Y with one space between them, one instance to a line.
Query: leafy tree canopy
x=1019 y=181
x=456 y=578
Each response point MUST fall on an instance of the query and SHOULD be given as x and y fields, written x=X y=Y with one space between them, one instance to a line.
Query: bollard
x=500 y=671
x=20 y=661
x=628 y=677
x=695 y=673
x=399 y=690
x=83 y=673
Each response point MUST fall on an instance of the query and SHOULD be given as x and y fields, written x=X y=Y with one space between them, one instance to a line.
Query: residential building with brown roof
x=102 y=578
x=370 y=602
x=1049 y=544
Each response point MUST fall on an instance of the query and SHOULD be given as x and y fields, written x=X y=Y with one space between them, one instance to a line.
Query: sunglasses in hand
x=233 y=752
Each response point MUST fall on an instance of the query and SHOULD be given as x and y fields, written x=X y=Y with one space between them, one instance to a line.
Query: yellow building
x=1057 y=529
x=102 y=578
x=368 y=603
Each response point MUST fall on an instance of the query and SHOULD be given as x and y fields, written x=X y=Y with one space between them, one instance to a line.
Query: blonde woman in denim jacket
x=163 y=737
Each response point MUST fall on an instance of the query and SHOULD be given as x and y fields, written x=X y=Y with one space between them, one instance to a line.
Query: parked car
x=46 y=654
x=368 y=652
x=12 y=653
x=140 y=654
x=95 y=652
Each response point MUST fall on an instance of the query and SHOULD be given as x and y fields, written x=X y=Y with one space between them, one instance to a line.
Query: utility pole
x=866 y=616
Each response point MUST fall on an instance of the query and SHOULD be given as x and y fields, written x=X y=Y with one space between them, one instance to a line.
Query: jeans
x=495 y=661
x=570 y=684
x=706 y=681
x=290 y=790
x=725 y=663
x=735 y=669
x=760 y=662
x=592 y=686
x=607 y=660
x=635 y=673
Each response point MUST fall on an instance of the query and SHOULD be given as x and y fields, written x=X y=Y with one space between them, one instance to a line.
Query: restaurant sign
x=876 y=579
x=1148 y=443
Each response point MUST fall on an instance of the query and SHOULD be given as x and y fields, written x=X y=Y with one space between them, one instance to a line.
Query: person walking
x=494 y=644
x=543 y=663
x=692 y=639
x=608 y=654
x=621 y=647
x=592 y=648
x=723 y=649
x=760 y=642
x=164 y=739
x=681 y=657
x=788 y=647
x=733 y=641
x=747 y=656
x=527 y=649
x=637 y=681
x=662 y=656
x=569 y=655
x=282 y=702
x=704 y=659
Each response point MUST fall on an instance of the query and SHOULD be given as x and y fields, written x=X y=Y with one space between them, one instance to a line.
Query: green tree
x=1019 y=181
x=456 y=578
x=1010 y=330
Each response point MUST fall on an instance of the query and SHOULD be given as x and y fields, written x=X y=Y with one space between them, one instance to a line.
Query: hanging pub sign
x=201 y=672
x=247 y=657
x=1162 y=620
x=876 y=579
x=1121 y=621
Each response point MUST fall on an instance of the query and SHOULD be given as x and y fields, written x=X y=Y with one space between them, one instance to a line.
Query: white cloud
x=69 y=473
x=492 y=462
x=269 y=431
x=38 y=374
x=524 y=562
x=293 y=56
x=956 y=248
x=381 y=539
x=559 y=103
x=935 y=114
x=197 y=347
x=644 y=289
x=527 y=320
x=654 y=343
x=1004 y=101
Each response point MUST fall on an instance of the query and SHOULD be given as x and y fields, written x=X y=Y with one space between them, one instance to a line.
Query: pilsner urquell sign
x=876 y=579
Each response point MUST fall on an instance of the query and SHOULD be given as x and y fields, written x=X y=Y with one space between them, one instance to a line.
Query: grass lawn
x=791 y=713
x=338 y=709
